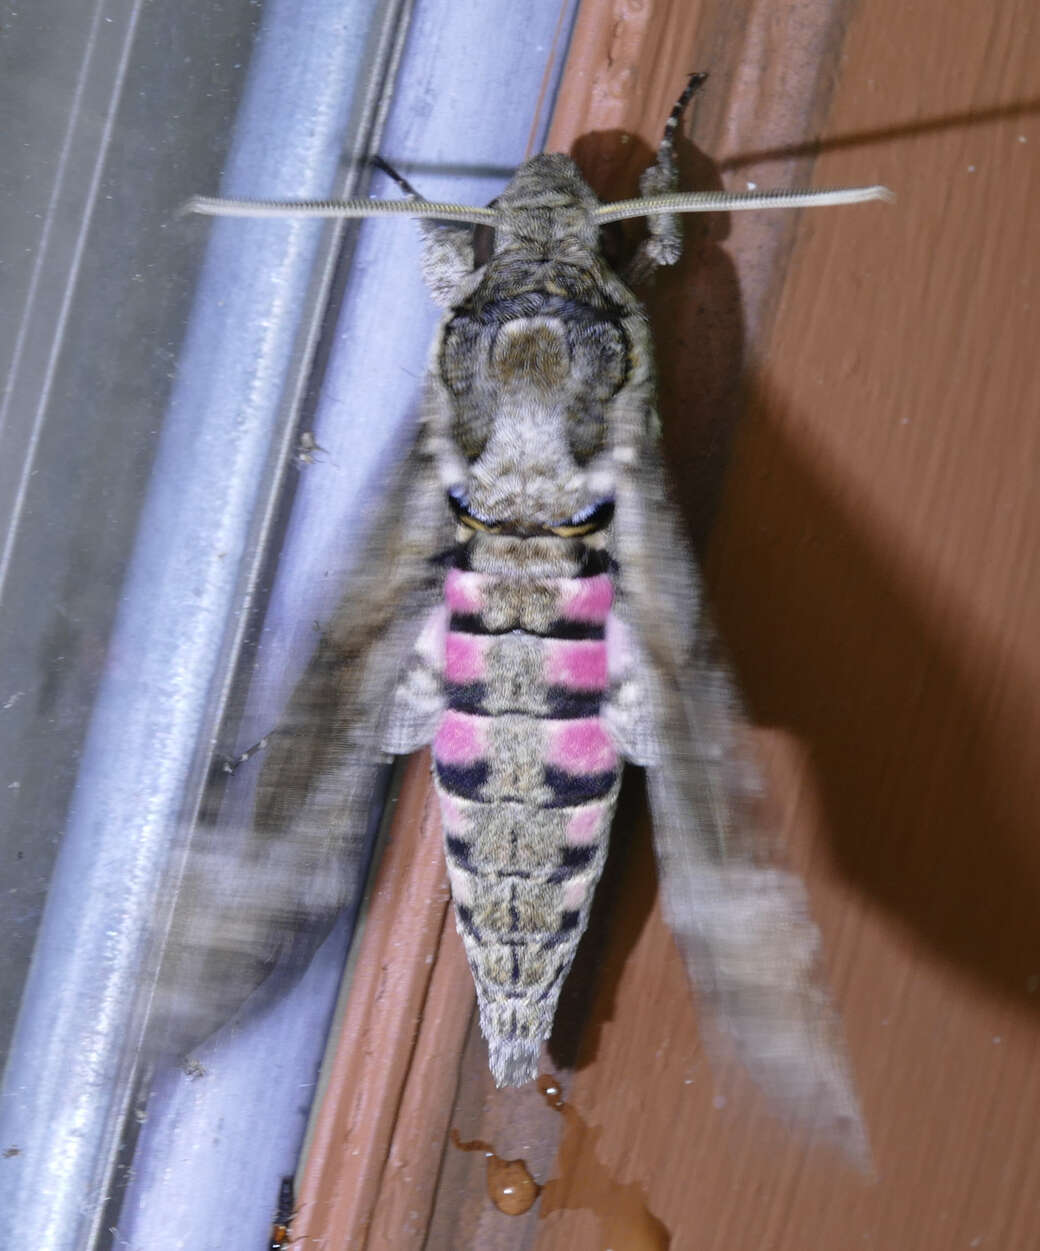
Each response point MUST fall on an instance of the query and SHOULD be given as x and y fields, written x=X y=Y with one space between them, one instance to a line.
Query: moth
x=529 y=606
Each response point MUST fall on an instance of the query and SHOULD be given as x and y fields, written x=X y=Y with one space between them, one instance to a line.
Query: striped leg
x=663 y=243
x=447 y=250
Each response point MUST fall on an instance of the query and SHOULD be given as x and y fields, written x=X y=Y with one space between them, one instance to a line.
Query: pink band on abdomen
x=580 y=665
x=463 y=591
x=464 y=657
x=460 y=739
x=586 y=599
x=588 y=823
x=580 y=746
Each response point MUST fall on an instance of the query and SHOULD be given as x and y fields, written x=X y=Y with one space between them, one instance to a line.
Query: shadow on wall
x=921 y=742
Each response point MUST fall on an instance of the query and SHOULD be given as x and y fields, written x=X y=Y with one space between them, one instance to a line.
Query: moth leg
x=663 y=243
x=447 y=250
x=231 y=764
x=386 y=168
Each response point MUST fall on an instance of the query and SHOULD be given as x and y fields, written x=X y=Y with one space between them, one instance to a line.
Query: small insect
x=529 y=606
x=280 y=1229
x=307 y=448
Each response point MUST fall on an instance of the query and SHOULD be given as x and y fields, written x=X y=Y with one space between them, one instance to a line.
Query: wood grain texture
x=404 y=1204
x=361 y=1151
x=868 y=376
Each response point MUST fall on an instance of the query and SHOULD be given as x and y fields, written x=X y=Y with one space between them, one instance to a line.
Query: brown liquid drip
x=624 y=1218
x=510 y=1186
x=550 y=1088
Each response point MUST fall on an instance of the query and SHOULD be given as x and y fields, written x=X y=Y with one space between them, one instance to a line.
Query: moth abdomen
x=528 y=775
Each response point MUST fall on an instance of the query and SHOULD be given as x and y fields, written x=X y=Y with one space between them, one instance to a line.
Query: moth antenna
x=212 y=206
x=734 y=201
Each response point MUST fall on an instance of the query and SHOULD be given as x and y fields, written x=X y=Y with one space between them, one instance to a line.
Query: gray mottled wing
x=261 y=903
x=741 y=921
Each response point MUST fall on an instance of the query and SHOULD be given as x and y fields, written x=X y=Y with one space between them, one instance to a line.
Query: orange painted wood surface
x=406 y=986
x=869 y=377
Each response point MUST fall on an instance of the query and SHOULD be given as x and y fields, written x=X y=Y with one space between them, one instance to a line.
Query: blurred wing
x=741 y=922
x=261 y=903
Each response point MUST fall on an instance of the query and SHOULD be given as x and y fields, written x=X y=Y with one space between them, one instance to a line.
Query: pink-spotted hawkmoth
x=529 y=605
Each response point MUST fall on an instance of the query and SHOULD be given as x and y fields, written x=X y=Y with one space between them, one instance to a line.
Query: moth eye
x=483 y=244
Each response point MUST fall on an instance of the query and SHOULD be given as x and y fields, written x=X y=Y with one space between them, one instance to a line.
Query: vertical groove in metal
x=68 y=1075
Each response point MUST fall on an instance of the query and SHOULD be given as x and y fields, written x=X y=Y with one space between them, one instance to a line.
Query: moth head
x=547 y=209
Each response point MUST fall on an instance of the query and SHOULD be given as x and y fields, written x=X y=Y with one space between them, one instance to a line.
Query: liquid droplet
x=510 y=1186
x=624 y=1218
x=552 y=1091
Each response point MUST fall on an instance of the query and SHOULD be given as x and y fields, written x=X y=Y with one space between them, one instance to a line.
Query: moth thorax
x=531 y=352
x=527 y=474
